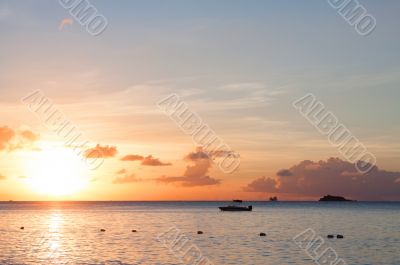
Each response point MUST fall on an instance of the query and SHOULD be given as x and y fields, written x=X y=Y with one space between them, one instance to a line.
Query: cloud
x=199 y=154
x=132 y=158
x=351 y=174
x=65 y=21
x=146 y=161
x=262 y=184
x=12 y=140
x=2 y=177
x=6 y=134
x=101 y=152
x=30 y=135
x=284 y=173
x=190 y=182
x=194 y=175
x=150 y=161
x=122 y=171
x=128 y=178
x=333 y=176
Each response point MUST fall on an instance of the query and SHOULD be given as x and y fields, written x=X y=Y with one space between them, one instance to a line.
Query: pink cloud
x=151 y=161
x=101 y=152
x=333 y=176
x=132 y=158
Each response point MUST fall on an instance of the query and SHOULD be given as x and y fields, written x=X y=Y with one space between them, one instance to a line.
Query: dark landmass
x=330 y=198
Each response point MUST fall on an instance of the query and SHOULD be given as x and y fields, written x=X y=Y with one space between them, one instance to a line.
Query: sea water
x=70 y=233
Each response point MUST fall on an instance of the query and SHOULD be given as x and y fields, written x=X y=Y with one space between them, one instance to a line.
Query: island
x=330 y=198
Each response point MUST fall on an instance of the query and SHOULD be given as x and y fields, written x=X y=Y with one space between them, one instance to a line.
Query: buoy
x=22 y=228
x=199 y=232
x=102 y=230
x=340 y=236
x=263 y=234
x=134 y=231
x=330 y=236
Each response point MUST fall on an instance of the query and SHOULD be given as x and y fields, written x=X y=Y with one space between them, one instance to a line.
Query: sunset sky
x=238 y=64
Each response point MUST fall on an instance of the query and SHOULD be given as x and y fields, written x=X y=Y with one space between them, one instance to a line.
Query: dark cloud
x=101 y=152
x=196 y=174
x=201 y=154
x=262 y=184
x=333 y=176
x=151 y=161
x=132 y=158
x=284 y=173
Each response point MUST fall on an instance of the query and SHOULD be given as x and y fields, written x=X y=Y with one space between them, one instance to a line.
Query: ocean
x=167 y=233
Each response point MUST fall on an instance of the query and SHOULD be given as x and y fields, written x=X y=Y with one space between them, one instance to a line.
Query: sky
x=239 y=65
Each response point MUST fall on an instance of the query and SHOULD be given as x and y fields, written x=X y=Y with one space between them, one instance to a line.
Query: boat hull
x=235 y=209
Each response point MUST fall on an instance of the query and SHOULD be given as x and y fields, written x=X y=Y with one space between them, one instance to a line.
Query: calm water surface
x=69 y=232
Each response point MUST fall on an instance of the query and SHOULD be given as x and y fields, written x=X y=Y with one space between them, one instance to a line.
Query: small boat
x=273 y=199
x=236 y=208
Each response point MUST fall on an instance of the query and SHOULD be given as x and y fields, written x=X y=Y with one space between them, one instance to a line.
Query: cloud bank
x=334 y=176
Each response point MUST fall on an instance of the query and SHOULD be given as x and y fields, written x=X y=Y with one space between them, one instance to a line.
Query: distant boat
x=236 y=208
x=273 y=199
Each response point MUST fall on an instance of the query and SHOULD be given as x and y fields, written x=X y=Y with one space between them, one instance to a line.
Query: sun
x=57 y=172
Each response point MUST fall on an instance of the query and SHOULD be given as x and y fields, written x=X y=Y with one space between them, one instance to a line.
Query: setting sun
x=57 y=172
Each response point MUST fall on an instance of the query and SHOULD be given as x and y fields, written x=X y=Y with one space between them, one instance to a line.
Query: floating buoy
x=199 y=232
x=263 y=234
x=340 y=236
x=22 y=228
x=102 y=230
x=134 y=231
x=330 y=236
